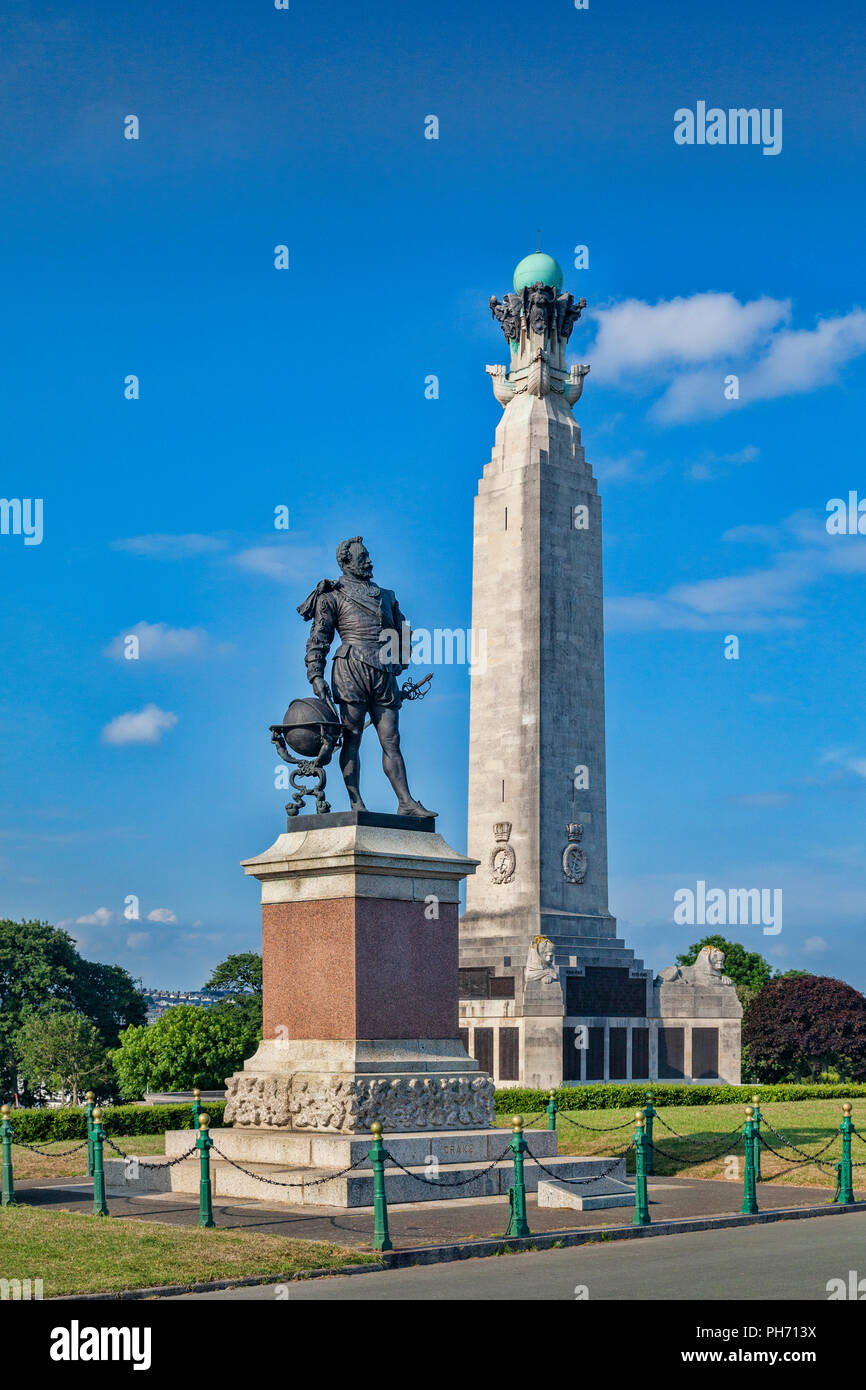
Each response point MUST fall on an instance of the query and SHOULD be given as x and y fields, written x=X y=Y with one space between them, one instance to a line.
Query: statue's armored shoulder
x=307 y=609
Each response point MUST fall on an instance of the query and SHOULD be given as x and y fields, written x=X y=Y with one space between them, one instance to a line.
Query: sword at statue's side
x=412 y=690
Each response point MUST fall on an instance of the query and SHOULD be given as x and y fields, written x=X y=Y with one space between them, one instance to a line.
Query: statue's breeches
x=359 y=682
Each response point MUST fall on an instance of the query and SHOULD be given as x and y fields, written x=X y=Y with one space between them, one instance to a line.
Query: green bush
x=607 y=1097
x=42 y=1126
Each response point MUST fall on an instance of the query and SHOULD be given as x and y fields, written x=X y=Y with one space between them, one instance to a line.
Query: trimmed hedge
x=607 y=1097
x=43 y=1125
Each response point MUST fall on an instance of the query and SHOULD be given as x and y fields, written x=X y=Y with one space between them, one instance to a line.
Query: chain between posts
x=703 y=1158
x=788 y=1145
x=580 y=1182
x=304 y=1182
x=168 y=1163
x=456 y=1182
x=595 y=1129
x=59 y=1153
x=800 y=1162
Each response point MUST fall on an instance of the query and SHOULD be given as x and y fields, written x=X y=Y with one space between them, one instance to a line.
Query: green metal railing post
x=750 y=1196
x=100 y=1207
x=517 y=1223
x=846 y=1176
x=552 y=1108
x=197 y=1107
x=756 y=1119
x=378 y=1154
x=88 y=1113
x=641 y=1197
x=8 y=1198
x=204 y=1144
x=650 y=1112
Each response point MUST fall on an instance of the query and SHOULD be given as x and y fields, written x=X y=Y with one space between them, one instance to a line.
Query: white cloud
x=281 y=562
x=815 y=945
x=627 y=466
x=164 y=546
x=795 y=361
x=161 y=914
x=158 y=641
x=752 y=601
x=844 y=758
x=648 y=338
x=142 y=726
x=766 y=597
x=690 y=344
x=137 y=939
x=753 y=535
x=711 y=466
x=102 y=917
x=803 y=359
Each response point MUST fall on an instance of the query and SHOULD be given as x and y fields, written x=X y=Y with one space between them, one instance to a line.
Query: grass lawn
x=807 y=1123
x=30 y=1165
x=74 y=1254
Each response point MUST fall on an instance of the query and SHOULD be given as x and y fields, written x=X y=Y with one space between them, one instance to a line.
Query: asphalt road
x=785 y=1260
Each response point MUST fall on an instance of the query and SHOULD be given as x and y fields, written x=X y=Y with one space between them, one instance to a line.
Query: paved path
x=419 y=1223
x=786 y=1260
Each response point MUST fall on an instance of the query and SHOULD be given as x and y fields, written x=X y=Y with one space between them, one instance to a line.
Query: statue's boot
x=411 y=807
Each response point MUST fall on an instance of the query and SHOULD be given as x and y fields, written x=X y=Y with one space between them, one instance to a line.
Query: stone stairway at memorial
x=440 y=1166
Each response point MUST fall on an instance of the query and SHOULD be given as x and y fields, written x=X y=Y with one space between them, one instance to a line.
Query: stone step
x=606 y=1193
x=315 y=1188
x=307 y=1150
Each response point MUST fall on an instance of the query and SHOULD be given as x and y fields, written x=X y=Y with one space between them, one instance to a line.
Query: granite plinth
x=359 y=947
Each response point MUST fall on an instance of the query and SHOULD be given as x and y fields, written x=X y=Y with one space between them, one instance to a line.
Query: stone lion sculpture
x=707 y=970
x=539 y=961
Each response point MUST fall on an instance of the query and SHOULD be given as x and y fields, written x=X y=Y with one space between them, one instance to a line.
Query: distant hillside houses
x=158 y=1000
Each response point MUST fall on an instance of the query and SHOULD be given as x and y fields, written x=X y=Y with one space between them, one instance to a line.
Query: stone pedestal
x=359 y=945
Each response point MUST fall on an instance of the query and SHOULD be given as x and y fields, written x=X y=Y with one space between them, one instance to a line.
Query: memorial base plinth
x=283 y=1168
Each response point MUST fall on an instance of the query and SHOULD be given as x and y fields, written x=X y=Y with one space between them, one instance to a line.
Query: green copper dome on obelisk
x=537 y=267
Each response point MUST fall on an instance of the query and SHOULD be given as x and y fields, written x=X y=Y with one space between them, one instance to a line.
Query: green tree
x=37 y=969
x=187 y=1047
x=61 y=1052
x=241 y=976
x=745 y=968
x=108 y=995
x=41 y=971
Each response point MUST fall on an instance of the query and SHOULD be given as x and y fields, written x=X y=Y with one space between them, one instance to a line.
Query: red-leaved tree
x=807 y=1023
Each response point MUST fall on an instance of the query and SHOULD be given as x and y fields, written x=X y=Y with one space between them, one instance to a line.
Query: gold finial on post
x=847 y=1108
x=204 y=1120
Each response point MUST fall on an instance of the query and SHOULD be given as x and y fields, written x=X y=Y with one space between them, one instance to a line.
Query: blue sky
x=305 y=388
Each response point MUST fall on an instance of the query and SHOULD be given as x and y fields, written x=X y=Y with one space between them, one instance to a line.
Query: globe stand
x=305 y=769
